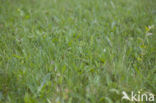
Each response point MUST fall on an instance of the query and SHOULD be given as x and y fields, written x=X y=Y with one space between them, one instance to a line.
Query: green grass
x=76 y=51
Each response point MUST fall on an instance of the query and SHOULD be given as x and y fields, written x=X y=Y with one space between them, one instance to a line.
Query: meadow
x=76 y=51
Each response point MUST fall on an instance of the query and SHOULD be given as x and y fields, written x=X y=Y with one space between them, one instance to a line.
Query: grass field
x=76 y=51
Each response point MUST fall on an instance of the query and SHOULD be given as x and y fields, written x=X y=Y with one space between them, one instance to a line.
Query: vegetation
x=76 y=51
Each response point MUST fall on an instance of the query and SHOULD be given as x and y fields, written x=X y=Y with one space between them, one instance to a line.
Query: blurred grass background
x=76 y=51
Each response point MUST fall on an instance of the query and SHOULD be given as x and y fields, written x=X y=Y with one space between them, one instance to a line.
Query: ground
x=76 y=51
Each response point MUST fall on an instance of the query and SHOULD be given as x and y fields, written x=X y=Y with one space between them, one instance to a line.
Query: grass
x=76 y=51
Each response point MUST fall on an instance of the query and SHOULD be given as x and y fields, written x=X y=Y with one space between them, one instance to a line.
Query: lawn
x=76 y=51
